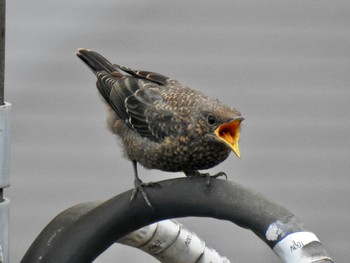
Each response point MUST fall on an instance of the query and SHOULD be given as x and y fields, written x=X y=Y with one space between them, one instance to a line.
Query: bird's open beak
x=229 y=133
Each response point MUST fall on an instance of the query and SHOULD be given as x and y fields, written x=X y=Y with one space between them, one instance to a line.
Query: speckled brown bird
x=162 y=124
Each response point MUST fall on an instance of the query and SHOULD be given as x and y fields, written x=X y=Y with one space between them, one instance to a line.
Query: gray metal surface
x=4 y=230
x=284 y=65
x=5 y=137
x=5 y=133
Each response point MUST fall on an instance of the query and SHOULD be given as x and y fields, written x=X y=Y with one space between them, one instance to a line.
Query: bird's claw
x=139 y=188
x=208 y=176
x=219 y=174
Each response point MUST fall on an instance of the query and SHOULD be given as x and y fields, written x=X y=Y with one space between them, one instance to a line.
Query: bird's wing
x=135 y=97
x=136 y=101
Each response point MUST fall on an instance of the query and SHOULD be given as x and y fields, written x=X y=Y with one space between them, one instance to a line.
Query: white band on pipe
x=289 y=249
x=169 y=241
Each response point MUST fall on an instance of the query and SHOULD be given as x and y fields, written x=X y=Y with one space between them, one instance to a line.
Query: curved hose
x=84 y=235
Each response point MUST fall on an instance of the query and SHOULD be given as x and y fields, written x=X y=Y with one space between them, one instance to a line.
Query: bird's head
x=224 y=124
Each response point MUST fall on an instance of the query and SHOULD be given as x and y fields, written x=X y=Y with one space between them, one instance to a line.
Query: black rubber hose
x=82 y=233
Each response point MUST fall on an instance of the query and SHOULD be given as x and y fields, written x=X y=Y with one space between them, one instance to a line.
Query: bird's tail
x=95 y=61
x=98 y=63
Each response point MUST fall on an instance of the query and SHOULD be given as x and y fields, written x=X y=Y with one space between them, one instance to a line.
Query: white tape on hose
x=289 y=249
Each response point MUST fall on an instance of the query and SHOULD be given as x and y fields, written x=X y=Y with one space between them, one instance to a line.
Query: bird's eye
x=211 y=119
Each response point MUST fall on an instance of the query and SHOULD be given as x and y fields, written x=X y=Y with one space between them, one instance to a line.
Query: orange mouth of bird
x=229 y=133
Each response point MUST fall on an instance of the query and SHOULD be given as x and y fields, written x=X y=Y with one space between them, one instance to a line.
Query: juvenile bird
x=162 y=124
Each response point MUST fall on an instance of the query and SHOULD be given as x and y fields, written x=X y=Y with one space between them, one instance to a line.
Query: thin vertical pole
x=4 y=147
x=2 y=50
x=2 y=62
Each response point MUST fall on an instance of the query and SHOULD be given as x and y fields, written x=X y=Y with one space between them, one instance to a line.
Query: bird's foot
x=138 y=187
x=208 y=176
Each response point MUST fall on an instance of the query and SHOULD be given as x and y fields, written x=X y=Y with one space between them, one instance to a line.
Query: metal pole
x=4 y=146
x=2 y=50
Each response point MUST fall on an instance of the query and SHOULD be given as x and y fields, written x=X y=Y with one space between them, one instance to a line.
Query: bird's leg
x=138 y=186
x=208 y=176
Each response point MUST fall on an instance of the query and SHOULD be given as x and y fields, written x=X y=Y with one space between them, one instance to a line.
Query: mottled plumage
x=163 y=124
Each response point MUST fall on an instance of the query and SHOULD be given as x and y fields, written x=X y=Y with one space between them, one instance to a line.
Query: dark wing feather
x=151 y=76
x=145 y=111
x=135 y=98
x=138 y=104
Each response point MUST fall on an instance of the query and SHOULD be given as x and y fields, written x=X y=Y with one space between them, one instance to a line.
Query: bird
x=163 y=124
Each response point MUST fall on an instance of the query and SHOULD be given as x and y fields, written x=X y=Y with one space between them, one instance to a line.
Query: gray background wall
x=285 y=65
